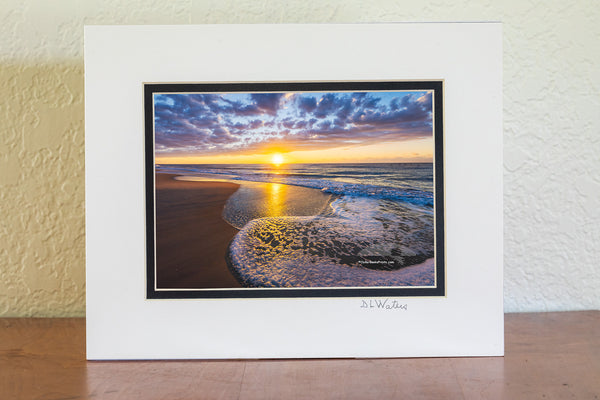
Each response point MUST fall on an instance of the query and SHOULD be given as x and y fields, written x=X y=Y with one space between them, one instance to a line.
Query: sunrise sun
x=277 y=159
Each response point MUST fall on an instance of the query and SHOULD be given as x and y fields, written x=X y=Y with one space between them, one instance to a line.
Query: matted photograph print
x=294 y=189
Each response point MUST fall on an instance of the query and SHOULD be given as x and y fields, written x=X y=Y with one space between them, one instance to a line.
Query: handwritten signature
x=383 y=304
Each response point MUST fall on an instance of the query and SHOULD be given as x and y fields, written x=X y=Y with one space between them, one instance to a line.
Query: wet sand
x=192 y=235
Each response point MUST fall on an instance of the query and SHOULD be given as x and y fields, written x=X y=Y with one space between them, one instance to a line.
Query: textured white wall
x=551 y=136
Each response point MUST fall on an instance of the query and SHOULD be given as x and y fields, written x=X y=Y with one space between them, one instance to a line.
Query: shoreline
x=193 y=237
x=259 y=199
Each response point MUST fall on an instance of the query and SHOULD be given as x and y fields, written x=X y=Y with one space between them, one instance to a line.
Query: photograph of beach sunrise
x=294 y=189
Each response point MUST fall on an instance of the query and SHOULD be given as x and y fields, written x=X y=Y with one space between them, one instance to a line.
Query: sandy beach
x=193 y=237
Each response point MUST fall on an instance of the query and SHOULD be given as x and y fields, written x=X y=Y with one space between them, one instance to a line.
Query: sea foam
x=342 y=249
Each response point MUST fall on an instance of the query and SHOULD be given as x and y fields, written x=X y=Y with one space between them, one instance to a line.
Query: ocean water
x=412 y=183
x=328 y=225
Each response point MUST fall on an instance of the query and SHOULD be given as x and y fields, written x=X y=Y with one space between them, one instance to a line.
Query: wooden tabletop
x=548 y=356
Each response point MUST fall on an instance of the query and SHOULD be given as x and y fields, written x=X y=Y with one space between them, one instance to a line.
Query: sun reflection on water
x=276 y=199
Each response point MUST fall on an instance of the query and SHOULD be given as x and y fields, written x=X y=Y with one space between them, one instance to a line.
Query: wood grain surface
x=548 y=356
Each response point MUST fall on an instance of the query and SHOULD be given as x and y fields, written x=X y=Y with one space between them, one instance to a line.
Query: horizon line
x=296 y=163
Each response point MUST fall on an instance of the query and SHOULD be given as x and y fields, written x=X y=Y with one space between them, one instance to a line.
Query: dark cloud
x=267 y=102
x=328 y=104
x=254 y=124
x=343 y=114
x=288 y=123
x=307 y=104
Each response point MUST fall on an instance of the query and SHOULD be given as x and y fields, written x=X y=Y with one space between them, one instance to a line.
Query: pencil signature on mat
x=383 y=304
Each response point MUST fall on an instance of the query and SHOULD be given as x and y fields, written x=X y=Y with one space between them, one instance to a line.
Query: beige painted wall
x=551 y=135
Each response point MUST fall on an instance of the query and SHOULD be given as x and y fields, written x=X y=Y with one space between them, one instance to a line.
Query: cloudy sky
x=303 y=127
